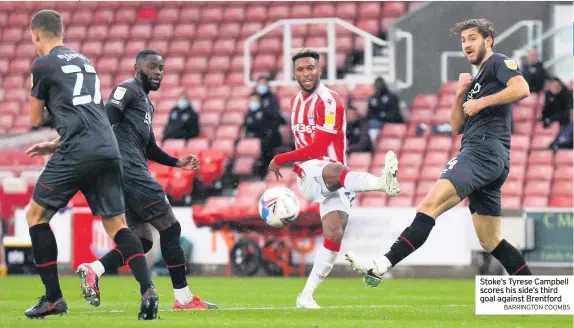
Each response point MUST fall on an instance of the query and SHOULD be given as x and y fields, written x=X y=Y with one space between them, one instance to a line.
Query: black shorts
x=145 y=197
x=99 y=181
x=479 y=176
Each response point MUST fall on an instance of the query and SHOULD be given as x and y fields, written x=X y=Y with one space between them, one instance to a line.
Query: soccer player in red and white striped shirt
x=318 y=123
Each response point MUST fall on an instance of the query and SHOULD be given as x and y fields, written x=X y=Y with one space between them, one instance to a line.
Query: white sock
x=363 y=181
x=98 y=268
x=183 y=295
x=321 y=268
x=382 y=265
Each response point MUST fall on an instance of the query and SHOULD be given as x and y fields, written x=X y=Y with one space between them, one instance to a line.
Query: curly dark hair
x=303 y=53
x=483 y=26
x=48 y=21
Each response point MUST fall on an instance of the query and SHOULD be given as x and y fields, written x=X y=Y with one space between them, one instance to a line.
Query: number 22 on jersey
x=78 y=98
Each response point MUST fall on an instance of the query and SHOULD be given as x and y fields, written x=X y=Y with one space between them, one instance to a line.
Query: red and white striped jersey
x=321 y=110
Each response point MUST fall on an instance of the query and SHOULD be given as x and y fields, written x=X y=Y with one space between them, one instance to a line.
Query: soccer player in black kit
x=130 y=112
x=483 y=113
x=85 y=158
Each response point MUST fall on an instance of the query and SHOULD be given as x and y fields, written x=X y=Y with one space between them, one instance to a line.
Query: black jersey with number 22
x=68 y=84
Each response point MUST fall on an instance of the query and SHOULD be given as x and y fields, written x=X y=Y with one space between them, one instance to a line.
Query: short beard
x=480 y=55
x=147 y=83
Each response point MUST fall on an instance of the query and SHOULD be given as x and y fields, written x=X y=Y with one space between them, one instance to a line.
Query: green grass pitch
x=268 y=302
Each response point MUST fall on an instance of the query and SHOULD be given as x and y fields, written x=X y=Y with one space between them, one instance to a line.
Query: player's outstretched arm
x=156 y=154
x=456 y=112
x=320 y=142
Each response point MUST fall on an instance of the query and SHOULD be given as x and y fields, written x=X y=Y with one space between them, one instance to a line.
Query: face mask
x=182 y=104
x=253 y=106
x=262 y=89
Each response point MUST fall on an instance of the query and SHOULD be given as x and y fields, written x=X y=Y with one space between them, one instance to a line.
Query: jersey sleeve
x=329 y=113
x=40 y=79
x=121 y=97
x=505 y=68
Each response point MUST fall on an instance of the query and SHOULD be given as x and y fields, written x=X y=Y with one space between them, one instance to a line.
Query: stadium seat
x=249 y=147
x=511 y=202
x=256 y=13
x=522 y=114
x=519 y=142
x=230 y=132
x=562 y=188
x=522 y=129
x=400 y=201
x=359 y=161
x=440 y=143
x=436 y=158
x=243 y=165
x=197 y=144
x=209 y=118
x=535 y=202
x=426 y=101
x=421 y=115
x=413 y=144
x=564 y=156
x=394 y=8
x=512 y=188
x=158 y=170
x=170 y=15
x=561 y=202
x=374 y=201
x=537 y=188
x=541 y=142
x=541 y=157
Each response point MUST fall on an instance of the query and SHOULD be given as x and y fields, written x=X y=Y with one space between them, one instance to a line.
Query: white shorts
x=313 y=188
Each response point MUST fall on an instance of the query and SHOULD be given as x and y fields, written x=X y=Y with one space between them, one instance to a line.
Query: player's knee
x=171 y=235
x=489 y=242
x=331 y=175
x=146 y=244
x=37 y=215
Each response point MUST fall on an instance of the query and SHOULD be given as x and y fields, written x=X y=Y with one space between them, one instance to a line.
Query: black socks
x=132 y=251
x=511 y=259
x=411 y=239
x=173 y=255
x=113 y=259
x=46 y=256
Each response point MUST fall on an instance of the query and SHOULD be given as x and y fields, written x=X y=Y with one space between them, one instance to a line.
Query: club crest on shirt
x=119 y=93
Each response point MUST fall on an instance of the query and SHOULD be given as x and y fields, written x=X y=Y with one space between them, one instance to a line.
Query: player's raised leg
x=334 y=224
x=336 y=176
x=440 y=199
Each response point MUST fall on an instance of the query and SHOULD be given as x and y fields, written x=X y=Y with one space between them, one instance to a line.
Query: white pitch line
x=270 y=308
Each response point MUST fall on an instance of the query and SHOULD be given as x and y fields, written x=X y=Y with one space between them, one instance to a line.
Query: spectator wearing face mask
x=358 y=139
x=534 y=72
x=384 y=106
x=259 y=123
x=269 y=101
x=557 y=104
x=183 y=120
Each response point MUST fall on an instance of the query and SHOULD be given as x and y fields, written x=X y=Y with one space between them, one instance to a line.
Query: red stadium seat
x=243 y=165
x=126 y=15
x=520 y=143
x=541 y=142
x=386 y=144
x=359 y=161
x=181 y=184
x=522 y=129
x=522 y=114
x=104 y=16
x=564 y=156
x=512 y=188
x=436 y=158
x=114 y=48
x=421 y=115
x=202 y=47
x=541 y=157
x=232 y=118
x=562 y=188
x=170 y=15
x=535 y=202
x=424 y=187
x=256 y=13
x=225 y=47
x=369 y=10
x=511 y=202
x=400 y=201
x=561 y=202
x=440 y=143
x=446 y=100
x=197 y=144
x=234 y=14
x=427 y=101
x=414 y=144
x=394 y=8
x=227 y=132
x=552 y=130
x=518 y=157
x=374 y=201
x=213 y=105
x=431 y=172
x=211 y=14
x=517 y=172
x=12 y=34
x=214 y=79
x=158 y=170
x=207 y=31
x=184 y=30
x=537 y=188
x=120 y=32
x=249 y=147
